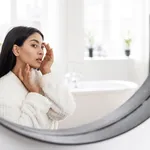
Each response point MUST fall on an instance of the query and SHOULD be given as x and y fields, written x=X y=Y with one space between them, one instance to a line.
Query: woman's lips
x=39 y=60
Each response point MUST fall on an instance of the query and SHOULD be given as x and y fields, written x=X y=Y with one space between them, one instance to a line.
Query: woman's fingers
x=27 y=72
x=25 y=77
x=49 y=53
x=28 y=68
x=49 y=50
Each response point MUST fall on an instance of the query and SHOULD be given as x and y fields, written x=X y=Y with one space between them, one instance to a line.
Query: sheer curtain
x=41 y=14
x=5 y=11
x=24 y=12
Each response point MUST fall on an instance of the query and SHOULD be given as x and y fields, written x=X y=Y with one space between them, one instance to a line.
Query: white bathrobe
x=32 y=109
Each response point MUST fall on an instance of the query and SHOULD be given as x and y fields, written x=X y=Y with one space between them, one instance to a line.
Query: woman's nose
x=41 y=52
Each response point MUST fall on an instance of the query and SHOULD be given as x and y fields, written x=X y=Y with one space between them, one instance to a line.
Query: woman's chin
x=35 y=66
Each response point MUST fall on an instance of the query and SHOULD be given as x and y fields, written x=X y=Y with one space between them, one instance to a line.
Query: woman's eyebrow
x=35 y=41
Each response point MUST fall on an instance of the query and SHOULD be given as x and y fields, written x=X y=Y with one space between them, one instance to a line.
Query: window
x=107 y=23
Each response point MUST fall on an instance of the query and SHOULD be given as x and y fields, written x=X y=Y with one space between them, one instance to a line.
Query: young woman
x=29 y=93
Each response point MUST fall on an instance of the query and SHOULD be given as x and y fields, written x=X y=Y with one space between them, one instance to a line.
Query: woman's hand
x=25 y=76
x=48 y=60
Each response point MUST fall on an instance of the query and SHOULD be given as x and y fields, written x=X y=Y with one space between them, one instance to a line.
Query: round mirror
x=91 y=80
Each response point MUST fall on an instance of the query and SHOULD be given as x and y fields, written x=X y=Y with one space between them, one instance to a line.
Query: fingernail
x=27 y=65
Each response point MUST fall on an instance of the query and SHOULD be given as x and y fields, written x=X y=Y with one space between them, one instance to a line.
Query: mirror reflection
x=62 y=70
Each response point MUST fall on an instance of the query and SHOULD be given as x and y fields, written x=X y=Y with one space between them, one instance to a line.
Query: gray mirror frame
x=131 y=114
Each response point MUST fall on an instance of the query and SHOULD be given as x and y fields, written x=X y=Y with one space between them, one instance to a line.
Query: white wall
x=140 y=48
x=115 y=69
x=108 y=69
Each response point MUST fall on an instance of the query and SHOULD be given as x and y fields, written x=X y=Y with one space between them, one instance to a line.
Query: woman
x=29 y=95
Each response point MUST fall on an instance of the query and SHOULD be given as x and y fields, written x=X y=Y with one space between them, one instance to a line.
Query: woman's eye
x=34 y=45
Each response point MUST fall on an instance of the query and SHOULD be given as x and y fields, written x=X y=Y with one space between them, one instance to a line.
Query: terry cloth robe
x=31 y=109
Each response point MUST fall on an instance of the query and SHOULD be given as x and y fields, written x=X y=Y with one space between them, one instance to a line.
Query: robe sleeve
x=63 y=104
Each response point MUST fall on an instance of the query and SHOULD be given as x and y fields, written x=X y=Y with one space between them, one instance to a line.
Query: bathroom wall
x=140 y=46
x=114 y=69
x=108 y=69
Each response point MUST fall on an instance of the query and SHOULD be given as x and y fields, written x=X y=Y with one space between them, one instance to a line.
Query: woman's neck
x=17 y=68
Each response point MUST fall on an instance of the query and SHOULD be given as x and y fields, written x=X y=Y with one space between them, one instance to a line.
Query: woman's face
x=31 y=51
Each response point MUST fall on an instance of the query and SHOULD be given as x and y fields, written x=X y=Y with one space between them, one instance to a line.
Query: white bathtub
x=96 y=99
x=103 y=86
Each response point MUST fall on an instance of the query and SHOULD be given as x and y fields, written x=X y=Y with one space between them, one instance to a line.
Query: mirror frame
x=128 y=116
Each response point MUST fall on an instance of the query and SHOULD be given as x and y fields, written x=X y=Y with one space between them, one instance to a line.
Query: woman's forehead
x=36 y=36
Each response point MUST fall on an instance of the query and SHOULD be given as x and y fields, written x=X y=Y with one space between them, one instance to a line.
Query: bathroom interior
x=101 y=48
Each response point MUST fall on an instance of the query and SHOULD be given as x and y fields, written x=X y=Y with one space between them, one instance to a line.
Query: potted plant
x=90 y=38
x=128 y=44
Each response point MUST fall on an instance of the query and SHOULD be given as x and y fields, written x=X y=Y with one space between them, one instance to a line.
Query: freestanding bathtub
x=95 y=99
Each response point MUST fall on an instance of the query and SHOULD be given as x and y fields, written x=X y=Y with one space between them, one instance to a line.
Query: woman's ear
x=16 y=50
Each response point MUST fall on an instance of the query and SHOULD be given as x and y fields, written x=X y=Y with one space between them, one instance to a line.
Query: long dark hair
x=16 y=35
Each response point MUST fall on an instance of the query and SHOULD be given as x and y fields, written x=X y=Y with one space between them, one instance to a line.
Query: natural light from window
x=107 y=23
